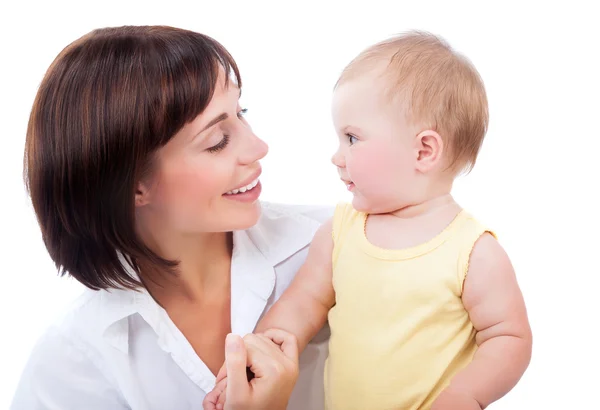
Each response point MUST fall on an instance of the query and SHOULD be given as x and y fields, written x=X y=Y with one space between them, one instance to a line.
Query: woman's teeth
x=243 y=189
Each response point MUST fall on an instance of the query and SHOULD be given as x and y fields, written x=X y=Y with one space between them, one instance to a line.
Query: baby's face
x=376 y=158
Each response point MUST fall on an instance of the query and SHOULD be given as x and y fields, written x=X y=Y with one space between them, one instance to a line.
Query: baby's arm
x=303 y=307
x=301 y=310
x=495 y=304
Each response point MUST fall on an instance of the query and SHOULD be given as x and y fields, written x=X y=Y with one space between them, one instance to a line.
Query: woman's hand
x=272 y=357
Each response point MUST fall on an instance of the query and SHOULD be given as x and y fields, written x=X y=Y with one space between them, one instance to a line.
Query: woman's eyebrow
x=214 y=121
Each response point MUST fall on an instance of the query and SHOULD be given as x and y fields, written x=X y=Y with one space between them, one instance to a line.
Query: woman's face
x=205 y=179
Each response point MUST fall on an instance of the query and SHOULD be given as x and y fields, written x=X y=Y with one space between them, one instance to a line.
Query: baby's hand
x=215 y=400
x=450 y=400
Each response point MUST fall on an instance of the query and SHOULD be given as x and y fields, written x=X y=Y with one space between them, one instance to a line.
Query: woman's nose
x=255 y=150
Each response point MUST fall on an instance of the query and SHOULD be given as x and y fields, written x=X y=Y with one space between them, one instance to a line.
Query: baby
x=423 y=303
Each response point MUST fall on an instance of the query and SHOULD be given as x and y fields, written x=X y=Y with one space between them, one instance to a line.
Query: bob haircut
x=106 y=104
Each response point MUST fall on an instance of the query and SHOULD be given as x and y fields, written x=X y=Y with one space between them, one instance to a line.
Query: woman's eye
x=352 y=139
x=222 y=144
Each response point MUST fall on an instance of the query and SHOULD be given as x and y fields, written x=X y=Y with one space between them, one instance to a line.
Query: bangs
x=183 y=71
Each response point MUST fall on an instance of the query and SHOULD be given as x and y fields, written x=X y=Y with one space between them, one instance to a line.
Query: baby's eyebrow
x=351 y=129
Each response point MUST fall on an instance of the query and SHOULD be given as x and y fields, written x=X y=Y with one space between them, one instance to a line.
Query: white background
x=535 y=182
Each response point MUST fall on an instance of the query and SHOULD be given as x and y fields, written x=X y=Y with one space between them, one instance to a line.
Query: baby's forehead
x=380 y=79
x=371 y=91
x=363 y=102
x=372 y=71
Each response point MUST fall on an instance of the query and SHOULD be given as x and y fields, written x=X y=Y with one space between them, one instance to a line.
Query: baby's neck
x=433 y=195
x=431 y=205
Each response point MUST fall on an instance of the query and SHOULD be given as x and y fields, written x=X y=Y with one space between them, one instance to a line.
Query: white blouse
x=120 y=350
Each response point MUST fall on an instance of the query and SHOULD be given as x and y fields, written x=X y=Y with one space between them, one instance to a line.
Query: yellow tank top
x=399 y=331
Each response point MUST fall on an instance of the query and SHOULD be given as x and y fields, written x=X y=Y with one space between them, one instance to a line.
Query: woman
x=144 y=177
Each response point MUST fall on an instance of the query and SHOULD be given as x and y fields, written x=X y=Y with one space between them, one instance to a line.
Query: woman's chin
x=249 y=218
x=243 y=216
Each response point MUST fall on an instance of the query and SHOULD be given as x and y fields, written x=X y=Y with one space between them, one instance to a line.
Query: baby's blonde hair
x=440 y=88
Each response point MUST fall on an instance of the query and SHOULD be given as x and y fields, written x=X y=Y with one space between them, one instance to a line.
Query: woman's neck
x=203 y=269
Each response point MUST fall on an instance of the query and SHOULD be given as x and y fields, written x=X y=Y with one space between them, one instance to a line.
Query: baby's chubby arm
x=303 y=307
x=301 y=310
x=496 y=308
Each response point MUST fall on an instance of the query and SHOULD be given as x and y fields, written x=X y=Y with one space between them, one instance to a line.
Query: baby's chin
x=373 y=207
x=362 y=204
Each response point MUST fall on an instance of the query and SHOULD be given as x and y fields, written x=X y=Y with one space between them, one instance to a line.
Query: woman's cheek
x=188 y=187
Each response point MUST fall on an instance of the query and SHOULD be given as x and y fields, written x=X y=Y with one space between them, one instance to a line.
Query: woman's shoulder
x=290 y=224
x=68 y=351
x=70 y=333
x=85 y=321
x=283 y=230
x=316 y=213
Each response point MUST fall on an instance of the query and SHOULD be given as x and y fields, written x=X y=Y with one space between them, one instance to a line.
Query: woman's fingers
x=264 y=344
x=235 y=363
x=276 y=373
x=262 y=350
x=257 y=343
x=286 y=341
x=273 y=361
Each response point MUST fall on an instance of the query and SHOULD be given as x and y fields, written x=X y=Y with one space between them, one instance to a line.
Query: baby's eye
x=351 y=138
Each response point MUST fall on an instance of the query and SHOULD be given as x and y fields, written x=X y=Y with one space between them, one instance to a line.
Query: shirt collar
x=279 y=234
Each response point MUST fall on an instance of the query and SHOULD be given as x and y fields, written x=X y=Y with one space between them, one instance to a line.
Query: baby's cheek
x=373 y=170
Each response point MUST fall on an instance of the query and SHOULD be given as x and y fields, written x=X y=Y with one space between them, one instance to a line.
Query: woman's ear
x=142 y=194
x=429 y=148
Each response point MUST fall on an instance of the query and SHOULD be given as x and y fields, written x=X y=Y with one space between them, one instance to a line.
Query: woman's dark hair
x=106 y=104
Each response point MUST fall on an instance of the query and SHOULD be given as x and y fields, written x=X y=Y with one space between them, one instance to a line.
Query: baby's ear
x=429 y=149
